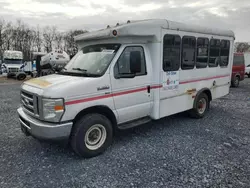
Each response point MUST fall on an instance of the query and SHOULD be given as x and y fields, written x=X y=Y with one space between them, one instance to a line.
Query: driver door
x=132 y=97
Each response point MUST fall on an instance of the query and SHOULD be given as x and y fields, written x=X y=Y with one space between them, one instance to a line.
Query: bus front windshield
x=12 y=61
x=91 y=61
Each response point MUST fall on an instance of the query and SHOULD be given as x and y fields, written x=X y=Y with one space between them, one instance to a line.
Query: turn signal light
x=58 y=108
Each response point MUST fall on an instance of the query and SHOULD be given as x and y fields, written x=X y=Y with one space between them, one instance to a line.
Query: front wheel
x=21 y=77
x=200 y=107
x=248 y=75
x=91 y=135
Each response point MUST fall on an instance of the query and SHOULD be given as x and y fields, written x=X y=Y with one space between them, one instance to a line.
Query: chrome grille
x=13 y=69
x=29 y=102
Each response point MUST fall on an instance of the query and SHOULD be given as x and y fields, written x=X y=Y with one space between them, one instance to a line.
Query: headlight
x=53 y=109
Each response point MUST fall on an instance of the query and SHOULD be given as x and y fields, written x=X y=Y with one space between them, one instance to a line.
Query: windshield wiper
x=79 y=69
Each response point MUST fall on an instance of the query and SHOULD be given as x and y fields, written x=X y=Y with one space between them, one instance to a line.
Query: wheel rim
x=95 y=137
x=202 y=105
x=21 y=77
x=236 y=82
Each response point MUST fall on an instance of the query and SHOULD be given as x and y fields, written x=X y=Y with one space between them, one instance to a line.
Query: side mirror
x=135 y=62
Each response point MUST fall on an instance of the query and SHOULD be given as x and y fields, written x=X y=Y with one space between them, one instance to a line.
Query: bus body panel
x=216 y=79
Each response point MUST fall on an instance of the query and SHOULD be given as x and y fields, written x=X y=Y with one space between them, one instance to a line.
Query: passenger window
x=224 y=53
x=188 y=52
x=171 y=52
x=123 y=64
x=202 y=53
x=214 y=53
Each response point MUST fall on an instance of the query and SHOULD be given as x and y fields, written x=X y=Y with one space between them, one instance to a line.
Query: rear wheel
x=236 y=82
x=91 y=135
x=200 y=107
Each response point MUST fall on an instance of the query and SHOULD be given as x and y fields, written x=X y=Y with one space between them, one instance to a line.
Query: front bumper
x=43 y=130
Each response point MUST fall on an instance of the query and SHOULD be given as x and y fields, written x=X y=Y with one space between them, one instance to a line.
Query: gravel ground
x=173 y=152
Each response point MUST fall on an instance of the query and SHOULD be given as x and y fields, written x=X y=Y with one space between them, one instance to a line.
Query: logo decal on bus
x=171 y=80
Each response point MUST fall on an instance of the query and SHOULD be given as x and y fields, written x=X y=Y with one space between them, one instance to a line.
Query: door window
x=123 y=64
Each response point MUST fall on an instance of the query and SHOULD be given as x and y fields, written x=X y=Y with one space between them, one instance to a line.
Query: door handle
x=148 y=89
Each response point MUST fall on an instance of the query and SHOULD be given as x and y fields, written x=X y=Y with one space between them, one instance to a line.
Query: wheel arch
x=100 y=109
x=238 y=75
x=207 y=91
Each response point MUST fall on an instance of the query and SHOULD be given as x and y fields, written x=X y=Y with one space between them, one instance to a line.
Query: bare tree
x=7 y=35
x=38 y=41
x=242 y=47
x=70 y=45
x=2 y=25
x=49 y=34
x=59 y=40
x=19 y=36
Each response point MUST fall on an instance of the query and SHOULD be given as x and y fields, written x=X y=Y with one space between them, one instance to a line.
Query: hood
x=58 y=86
x=50 y=81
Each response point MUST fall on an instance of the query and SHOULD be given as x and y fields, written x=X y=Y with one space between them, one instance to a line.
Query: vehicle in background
x=49 y=63
x=247 y=63
x=53 y=62
x=125 y=76
x=0 y=65
x=28 y=67
x=13 y=64
x=247 y=70
x=238 y=70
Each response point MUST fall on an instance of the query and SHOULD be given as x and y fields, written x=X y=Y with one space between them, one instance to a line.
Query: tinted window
x=171 y=52
x=123 y=64
x=214 y=53
x=239 y=60
x=224 y=52
x=202 y=52
x=188 y=52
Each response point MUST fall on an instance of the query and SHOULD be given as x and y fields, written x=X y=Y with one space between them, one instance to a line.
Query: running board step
x=134 y=123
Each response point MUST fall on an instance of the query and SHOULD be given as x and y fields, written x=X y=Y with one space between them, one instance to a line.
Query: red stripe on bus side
x=111 y=95
x=203 y=79
x=135 y=91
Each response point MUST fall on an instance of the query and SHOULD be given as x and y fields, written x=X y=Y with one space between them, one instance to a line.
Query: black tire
x=82 y=126
x=248 y=75
x=236 y=81
x=195 y=112
x=21 y=77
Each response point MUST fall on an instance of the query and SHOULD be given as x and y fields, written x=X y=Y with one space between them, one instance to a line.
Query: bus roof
x=149 y=28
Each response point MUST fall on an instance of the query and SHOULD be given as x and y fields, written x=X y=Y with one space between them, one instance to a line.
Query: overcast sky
x=96 y=14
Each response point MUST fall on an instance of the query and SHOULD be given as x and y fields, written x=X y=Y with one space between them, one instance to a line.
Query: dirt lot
x=174 y=152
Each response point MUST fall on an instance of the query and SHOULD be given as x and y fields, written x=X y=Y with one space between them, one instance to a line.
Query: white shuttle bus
x=125 y=76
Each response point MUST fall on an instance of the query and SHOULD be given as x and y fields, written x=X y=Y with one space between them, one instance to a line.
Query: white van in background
x=247 y=63
x=126 y=76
